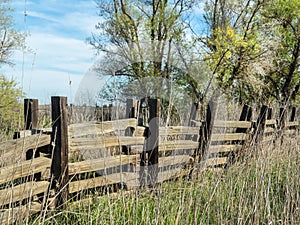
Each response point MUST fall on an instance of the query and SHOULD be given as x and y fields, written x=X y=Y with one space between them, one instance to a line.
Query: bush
x=10 y=107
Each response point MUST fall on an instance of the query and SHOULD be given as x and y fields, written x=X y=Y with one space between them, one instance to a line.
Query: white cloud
x=58 y=30
x=43 y=16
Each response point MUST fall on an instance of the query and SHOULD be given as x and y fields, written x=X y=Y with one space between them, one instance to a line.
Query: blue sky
x=57 y=51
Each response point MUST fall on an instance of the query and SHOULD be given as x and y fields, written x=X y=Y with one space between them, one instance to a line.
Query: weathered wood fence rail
x=47 y=169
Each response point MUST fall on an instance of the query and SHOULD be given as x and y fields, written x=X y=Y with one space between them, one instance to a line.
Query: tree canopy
x=251 y=50
x=10 y=93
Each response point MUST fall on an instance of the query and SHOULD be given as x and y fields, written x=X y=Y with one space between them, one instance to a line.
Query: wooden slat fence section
x=229 y=137
x=23 y=144
x=129 y=178
x=178 y=130
x=100 y=164
x=20 y=212
x=22 y=191
x=24 y=169
x=80 y=185
x=177 y=145
x=175 y=150
x=232 y=124
x=104 y=142
x=94 y=129
x=224 y=148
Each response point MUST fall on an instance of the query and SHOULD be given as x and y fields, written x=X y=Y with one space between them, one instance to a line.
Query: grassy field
x=263 y=189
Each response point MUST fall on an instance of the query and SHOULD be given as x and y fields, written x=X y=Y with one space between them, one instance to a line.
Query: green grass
x=263 y=190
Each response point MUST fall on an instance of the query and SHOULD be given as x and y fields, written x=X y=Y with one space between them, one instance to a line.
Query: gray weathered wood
x=22 y=191
x=100 y=164
x=24 y=169
x=15 y=150
x=100 y=128
x=17 y=214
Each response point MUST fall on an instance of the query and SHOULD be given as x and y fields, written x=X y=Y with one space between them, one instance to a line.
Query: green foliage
x=254 y=48
x=11 y=39
x=283 y=29
x=10 y=106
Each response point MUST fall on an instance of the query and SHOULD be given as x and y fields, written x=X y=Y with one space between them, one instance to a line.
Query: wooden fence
x=47 y=169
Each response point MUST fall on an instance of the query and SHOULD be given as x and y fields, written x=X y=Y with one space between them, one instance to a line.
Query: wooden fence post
x=31 y=113
x=261 y=123
x=131 y=108
x=246 y=115
x=59 y=167
x=293 y=114
x=282 y=118
x=269 y=113
x=153 y=141
x=143 y=162
x=195 y=114
x=30 y=116
x=206 y=130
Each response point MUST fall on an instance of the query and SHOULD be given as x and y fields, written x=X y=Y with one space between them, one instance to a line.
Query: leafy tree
x=283 y=31
x=11 y=39
x=144 y=39
x=10 y=94
x=253 y=48
x=234 y=46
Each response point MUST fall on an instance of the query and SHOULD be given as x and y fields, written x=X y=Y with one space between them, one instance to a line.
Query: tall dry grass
x=263 y=189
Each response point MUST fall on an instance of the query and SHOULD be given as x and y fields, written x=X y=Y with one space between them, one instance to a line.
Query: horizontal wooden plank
x=104 y=142
x=80 y=185
x=26 y=133
x=224 y=148
x=267 y=139
x=269 y=130
x=93 y=128
x=290 y=132
x=271 y=122
x=216 y=161
x=100 y=164
x=232 y=124
x=196 y=123
x=178 y=130
x=173 y=160
x=169 y=161
x=22 y=191
x=292 y=124
x=12 y=215
x=177 y=145
x=23 y=169
x=229 y=137
x=14 y=150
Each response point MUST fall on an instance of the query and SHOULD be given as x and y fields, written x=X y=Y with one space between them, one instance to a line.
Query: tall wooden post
x=269 y=113
x=282 y=118
x=293 y=114
x=153 y=141
x=131 y=108
x=261 y=123
x=195 y=114
x=59 y=167
x=31 y=113
x=143 y=162
x=246 y=115
x=206 y=131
